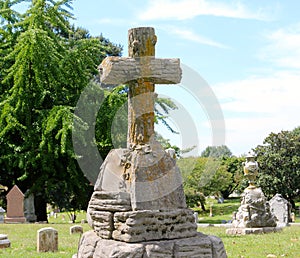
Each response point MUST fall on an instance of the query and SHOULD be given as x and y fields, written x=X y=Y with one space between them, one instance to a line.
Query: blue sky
x=248 y=52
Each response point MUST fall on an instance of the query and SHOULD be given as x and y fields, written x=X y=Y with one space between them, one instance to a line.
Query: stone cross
x=141 y=70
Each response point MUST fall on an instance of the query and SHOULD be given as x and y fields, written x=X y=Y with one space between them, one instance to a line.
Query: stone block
x=4 y=241
x=47 y=240
x=156 y=181
x=87 y=244
x=76 y=230
x=159 y=249
x=102 y=223
x=137 y=226
x=218 y=249
x=200 y=246
x=110 y=178
x=110 y=201
x=193 y=247
x=117 y=249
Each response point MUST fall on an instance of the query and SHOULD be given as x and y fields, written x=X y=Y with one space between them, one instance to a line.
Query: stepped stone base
x=247 y=231
x=199 y=246
x=4 y=242
x=15 y=220
x=111 y=217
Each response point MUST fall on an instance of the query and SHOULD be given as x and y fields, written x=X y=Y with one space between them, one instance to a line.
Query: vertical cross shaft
x=141 y=97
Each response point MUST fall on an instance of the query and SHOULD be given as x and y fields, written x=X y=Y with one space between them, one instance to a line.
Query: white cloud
x=255 y=107
x=192 y=36
x=188 y=9
x=283 y=48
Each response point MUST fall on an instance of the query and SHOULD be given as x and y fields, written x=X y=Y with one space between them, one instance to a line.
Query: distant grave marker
x=47 y=240
x=29 y=210
x=15 y=206
x=2 y=212
x=281 y=208
x=76 y=230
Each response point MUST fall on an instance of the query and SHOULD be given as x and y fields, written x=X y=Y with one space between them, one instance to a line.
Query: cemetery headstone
x=29 y=210
x=15 y=206
x=47 y=240
x=281 y=208
x=4 y=241
x=2 y=213
x=138 y=208
x=76 y=230
x=254 y=214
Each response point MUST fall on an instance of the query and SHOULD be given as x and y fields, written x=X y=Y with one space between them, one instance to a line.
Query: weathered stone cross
x=141 y=70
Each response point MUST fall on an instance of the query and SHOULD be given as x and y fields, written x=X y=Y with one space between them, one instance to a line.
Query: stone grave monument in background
x=29 y=210
x=254 y=214
x=15 y=206
x=138 y=207
x=2 y=214
x=281 y=208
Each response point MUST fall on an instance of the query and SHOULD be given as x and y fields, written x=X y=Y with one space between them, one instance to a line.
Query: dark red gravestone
x=15 y=206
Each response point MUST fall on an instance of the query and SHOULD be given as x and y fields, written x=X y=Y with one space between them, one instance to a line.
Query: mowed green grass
x=281 y=244
x=23 y=238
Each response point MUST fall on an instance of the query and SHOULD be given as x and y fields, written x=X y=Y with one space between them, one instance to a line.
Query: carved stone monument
x=15 y=206
x=254 y=214
x=138 y=207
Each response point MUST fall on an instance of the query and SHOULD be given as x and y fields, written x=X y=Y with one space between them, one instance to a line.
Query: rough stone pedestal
x=119 y=230
x=198 y=246
x=254 y=215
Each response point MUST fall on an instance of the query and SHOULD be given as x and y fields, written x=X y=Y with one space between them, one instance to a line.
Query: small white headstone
x=47 y=240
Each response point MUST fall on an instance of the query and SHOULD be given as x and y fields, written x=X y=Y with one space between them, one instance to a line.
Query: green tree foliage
x=46 y=66
x=216 y=152
x=203 y=176
x=233 y=165
x=279 y=164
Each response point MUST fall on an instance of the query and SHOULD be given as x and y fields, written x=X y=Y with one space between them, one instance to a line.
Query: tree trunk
x=40 y=206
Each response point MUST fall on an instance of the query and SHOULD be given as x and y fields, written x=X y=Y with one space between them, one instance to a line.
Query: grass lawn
x=282 y=244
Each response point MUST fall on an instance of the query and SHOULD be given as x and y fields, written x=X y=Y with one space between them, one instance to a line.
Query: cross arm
x=118 y=70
